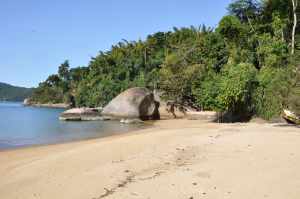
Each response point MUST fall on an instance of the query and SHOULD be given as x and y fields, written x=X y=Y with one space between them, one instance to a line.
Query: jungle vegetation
x=248 y=64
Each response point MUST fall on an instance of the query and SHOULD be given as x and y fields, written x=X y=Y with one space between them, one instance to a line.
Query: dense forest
x=248 y=64
x=13 y=93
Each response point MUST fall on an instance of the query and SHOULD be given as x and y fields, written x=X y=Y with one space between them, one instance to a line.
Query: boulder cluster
x=131 y=106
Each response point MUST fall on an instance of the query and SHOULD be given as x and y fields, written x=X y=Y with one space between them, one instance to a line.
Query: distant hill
x=13 y=93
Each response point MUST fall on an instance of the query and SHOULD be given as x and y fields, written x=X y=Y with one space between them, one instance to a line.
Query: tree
x=231 y=28
x=295 y=5
x=63 y=71
x=287 y=11
x=245 y=10
x=273 y=52
x=244 y=65
x=273 y=91
x=236 y=86
x=53 y=80
x=206 y=92
x=176 y=77
x=77 y=74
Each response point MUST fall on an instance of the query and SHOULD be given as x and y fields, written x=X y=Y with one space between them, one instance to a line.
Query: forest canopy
x=248 y=64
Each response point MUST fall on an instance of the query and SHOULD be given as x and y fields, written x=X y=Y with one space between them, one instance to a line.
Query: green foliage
x=244 y=9
x=206 y=92
x=47 y=94
x=230 y=90
x=230 y=28
x=294 y=95
x=272 y=52
x=63 y=71
x=176 y=78
x=243 y=66
x=213 y=51
x=236 y=85
x=56 y=88
x=273 y=91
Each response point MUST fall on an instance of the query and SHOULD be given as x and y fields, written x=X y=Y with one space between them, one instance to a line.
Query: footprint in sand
x=203 y=175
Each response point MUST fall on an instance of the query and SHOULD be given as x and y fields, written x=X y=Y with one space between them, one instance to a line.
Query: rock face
x=81 y=114
x=133 y=103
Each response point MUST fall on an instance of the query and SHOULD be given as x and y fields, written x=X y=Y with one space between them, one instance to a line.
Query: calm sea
x=26 y=126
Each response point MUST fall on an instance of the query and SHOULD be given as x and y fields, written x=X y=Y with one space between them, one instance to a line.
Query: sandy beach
x=176 y=159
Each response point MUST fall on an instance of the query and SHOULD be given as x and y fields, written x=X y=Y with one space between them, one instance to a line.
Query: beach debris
x=134 y=194
x=107 y=193
x=290 y=117
x=180 y=149
x=111 y=191
x=156 y=174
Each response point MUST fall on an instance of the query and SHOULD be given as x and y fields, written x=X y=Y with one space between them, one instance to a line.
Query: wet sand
x=175 y=159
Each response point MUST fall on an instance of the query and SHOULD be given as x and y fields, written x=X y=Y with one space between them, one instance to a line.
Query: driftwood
x=172 y=106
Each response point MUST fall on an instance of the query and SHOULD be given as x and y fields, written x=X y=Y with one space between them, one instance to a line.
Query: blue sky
x=37 y=36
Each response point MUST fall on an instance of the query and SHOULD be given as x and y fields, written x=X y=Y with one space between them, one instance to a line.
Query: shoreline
x=147 y=126
x=172 y=159
x=59 y=106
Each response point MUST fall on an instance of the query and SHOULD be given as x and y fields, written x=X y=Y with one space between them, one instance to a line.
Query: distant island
x=13 y=93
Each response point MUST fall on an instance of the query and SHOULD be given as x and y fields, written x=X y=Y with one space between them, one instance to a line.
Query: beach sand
x=176 y=159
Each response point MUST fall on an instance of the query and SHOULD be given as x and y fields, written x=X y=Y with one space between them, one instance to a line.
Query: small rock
x=131 y=121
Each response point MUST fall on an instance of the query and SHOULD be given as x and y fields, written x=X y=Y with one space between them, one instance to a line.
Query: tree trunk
x=145 y=56
x=295 y=4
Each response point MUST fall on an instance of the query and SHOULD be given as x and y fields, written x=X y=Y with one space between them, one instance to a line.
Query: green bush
x=236 y=86
x=273 y=92
x=206 y=92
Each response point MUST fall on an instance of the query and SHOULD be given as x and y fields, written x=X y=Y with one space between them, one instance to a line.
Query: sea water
x=22 y=126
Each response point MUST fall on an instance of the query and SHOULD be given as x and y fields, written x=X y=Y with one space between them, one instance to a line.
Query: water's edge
x=22 y=126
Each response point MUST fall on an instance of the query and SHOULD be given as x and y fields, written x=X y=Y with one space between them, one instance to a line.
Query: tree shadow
x=288 y=125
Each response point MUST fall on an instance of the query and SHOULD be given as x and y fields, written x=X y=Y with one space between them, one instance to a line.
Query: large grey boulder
x=133 y=103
